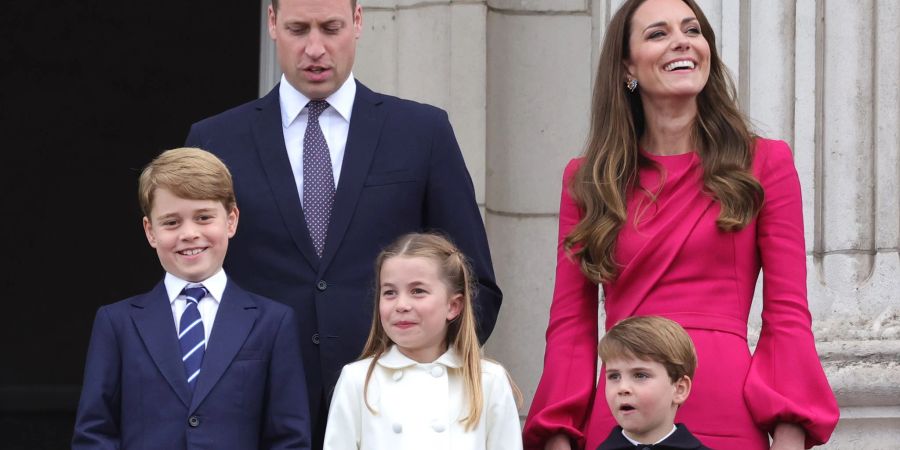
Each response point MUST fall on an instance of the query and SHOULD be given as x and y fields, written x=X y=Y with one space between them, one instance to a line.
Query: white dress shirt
x=334 y=121
x=207 y=306
x=419 y=406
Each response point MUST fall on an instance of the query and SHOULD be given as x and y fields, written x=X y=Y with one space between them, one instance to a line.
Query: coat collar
x=680 y=439
x=394 y=359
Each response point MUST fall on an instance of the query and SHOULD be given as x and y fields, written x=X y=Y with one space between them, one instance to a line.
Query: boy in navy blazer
x=197 y=362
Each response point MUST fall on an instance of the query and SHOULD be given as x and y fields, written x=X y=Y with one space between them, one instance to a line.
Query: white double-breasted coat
x=419 y=406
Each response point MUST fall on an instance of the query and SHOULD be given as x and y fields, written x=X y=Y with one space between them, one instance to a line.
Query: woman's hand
x=559 y=442
x=788 y=436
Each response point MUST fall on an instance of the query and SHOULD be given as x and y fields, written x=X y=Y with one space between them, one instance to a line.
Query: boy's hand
x=558 y=442
x=788 y=436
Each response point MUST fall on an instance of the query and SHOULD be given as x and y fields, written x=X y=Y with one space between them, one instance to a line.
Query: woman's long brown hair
x=612 y=160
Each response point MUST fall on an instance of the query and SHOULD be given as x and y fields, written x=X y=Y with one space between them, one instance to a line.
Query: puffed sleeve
x=566 y=390
x=344 y=428
x=786 y=382
x=502 y=415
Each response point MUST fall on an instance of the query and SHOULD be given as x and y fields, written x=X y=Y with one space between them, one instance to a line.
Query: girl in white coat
x=421 y=382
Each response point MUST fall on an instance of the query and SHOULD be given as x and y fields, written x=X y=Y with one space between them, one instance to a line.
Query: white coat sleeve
x=344 y=426
x=502 y=415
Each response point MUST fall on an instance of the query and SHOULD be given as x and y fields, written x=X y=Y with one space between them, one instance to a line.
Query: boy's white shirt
x=419 y=406
x=208 y=306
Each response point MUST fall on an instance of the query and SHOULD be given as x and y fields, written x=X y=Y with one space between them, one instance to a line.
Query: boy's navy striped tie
x=191 y=335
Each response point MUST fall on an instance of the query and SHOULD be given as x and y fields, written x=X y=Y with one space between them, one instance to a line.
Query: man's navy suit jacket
x=250 y=392
x=402 y=172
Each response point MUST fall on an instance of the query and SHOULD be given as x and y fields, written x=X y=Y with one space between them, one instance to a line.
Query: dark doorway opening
x=92 y=90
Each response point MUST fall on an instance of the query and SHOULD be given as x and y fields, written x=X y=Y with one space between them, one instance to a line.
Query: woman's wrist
x=788 y=436
x=559 y=441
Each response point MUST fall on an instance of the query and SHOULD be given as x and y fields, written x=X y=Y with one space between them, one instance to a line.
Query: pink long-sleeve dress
x=676 y=263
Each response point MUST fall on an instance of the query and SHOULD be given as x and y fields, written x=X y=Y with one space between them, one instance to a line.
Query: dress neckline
x=673 y=162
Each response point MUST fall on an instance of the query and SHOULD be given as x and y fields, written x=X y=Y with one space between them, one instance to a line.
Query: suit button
x=315 y=338
x=321 y=285
x=194 y=421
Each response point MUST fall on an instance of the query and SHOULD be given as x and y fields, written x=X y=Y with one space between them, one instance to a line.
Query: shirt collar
x=293 y=101
x=214 y=284
x=657 y=442
x=394 y=359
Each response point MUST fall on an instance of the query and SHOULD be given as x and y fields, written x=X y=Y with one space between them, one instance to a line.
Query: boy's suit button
x=321 y=285
x=194 y=421
x=315 y=338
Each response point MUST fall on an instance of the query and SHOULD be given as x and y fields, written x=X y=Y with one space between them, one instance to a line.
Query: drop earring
x=631 y=84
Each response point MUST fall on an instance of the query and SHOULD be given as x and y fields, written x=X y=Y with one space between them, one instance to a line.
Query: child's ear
x=232 y=219
x=148 y=230
x=682 y=390
x=456 y=305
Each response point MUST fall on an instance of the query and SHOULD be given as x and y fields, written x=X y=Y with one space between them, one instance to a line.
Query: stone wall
x=515 y=77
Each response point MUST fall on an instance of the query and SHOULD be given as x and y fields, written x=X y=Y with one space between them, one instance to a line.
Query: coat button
x=397 y=375
x=194 y=421
x=397 y=428
x=437 y=427
x=315 y=338
x=437 y=371
x=321 y=285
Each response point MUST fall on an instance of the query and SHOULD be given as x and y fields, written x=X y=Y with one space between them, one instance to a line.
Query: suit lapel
x=362 y=139
x=235 y=318
x=152 y=315
x=269 y=137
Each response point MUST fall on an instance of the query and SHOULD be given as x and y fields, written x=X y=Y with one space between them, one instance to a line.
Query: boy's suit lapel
x=152 y=316
x=234 y=320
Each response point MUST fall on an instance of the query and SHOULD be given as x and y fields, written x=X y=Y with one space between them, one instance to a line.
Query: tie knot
x=315 y=108
x=194 y=293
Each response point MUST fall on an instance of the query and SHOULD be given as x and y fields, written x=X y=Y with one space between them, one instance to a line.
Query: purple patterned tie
x=318 y=177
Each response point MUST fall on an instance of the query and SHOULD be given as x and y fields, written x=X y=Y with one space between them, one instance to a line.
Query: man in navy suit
x=197 y=362
x=396 y=167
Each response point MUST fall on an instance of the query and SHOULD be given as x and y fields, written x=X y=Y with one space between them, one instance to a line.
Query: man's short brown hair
x=275 y=5
x=651 y=338
x=189 y=173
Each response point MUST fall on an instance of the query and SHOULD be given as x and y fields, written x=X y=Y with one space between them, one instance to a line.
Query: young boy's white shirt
x=420 y=406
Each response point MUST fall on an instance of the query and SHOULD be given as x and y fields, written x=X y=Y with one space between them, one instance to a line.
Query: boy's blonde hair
x=456 y=273
x=189 y=173
x=651 y=338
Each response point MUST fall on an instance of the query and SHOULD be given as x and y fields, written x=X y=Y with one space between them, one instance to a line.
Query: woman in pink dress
x=674 y=209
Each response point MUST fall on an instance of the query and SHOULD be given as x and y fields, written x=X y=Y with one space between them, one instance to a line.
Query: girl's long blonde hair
x=456 y=273
x=612 y=160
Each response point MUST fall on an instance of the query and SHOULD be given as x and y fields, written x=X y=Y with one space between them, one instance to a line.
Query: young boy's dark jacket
x=681 y=439
x=250 y=394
